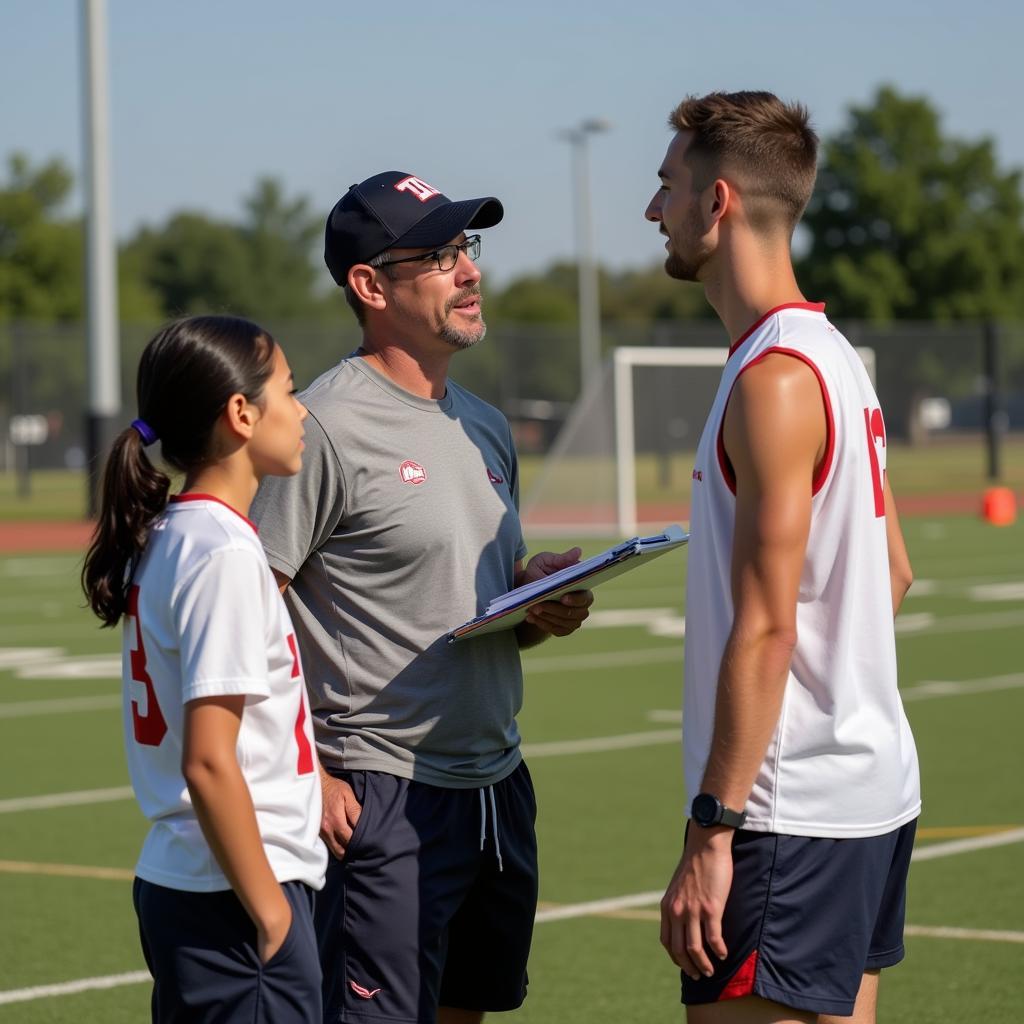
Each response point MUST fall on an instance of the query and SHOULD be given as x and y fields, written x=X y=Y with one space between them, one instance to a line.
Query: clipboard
x=509 y=609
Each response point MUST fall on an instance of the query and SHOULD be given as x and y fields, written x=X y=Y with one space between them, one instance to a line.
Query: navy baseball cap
x=397 y=210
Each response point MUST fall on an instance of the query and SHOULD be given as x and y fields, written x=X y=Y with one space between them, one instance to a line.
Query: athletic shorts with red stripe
x=806 y=917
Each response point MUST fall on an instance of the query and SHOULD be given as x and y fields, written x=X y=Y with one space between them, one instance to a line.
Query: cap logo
x=418 y=187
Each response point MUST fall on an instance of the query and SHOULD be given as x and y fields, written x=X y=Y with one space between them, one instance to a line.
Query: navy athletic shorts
x=200 y=948
x=433 y=903
x=806 y=917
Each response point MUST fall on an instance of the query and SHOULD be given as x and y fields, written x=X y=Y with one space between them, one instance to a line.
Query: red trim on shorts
x=742 y=982
x=814 y=307
x=830 y=426
x=178 y=499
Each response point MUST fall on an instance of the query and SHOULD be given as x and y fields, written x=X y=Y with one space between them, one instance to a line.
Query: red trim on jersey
x=830 y=426
x=742 y=982
x=815 y=307
x=177 y=499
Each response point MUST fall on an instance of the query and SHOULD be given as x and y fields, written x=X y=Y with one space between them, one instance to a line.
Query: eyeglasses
x=446 y=257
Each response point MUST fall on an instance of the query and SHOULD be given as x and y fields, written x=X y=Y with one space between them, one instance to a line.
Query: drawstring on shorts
x=494 y=820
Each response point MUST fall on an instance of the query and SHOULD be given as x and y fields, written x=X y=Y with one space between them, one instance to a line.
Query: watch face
x=704 y=810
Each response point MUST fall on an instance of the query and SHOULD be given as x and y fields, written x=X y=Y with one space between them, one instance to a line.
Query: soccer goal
x=624 y=458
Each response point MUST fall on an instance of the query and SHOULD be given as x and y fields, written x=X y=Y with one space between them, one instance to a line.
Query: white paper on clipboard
x=509 y=609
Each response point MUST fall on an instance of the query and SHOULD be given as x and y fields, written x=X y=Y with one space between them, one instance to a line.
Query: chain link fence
x=931 y=378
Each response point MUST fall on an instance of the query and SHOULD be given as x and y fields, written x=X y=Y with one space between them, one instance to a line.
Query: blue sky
x=207 y=95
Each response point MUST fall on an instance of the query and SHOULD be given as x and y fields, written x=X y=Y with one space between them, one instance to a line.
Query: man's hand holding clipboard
x=558 y=576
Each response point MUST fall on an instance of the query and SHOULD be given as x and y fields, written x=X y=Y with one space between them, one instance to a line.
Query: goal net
x=623 y=461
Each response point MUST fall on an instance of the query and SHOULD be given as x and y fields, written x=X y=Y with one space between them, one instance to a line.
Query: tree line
x=906 y=223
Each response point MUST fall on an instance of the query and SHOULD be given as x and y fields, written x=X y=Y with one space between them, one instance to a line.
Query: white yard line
x=933 y=852
x=937 y=850
x=67 y=988
x=607 y=659
x=941 y=688
x=58 y=706
x=553 y=748
x=967 y=934
x=76 y=799
x=596 y=744
x=565 y=913
x=595 y=908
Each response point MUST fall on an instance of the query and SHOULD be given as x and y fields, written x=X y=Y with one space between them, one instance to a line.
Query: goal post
x=624 y=363
x=623 y=459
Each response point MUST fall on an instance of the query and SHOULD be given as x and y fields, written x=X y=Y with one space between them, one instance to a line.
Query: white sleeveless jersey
x=205 y=618
x=842 y=760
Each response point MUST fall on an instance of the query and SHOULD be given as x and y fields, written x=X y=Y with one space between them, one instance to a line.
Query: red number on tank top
x=305 y=762
x=149 y=728
x=876 y=432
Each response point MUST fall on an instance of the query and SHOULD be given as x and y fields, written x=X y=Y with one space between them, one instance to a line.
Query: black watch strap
x=707 y=810
x=734 y=819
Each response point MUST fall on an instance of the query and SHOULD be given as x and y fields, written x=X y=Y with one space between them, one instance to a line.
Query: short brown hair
x=769 y=146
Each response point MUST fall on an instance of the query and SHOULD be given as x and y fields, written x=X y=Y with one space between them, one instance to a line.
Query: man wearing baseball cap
x=403 y=523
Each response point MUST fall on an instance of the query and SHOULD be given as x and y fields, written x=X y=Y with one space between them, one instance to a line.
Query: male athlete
x=801 y=770
x=402 y=524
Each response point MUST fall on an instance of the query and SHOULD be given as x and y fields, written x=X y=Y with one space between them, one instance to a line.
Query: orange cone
x=999 y=506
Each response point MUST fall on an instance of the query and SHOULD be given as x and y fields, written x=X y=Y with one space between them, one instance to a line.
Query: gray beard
x=460 y=340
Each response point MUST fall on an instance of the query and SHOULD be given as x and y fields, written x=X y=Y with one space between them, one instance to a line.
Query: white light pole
x=589 y=299
x=100 y=254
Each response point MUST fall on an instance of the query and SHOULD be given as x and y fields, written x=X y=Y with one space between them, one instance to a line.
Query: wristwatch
x=707 y=810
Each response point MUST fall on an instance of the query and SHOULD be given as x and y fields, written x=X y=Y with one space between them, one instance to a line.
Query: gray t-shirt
x=402 y=523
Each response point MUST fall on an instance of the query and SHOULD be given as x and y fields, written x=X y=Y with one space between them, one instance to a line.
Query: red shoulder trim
x=815 y=307
x=178 y=499
x=830 y=426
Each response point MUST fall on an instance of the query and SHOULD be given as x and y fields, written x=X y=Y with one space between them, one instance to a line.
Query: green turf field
x=610 y=809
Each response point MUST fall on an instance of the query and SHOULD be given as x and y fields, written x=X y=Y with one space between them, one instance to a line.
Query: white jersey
x=842 y=760
x=205 y=618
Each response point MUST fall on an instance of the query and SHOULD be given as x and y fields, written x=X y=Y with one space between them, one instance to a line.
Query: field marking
x=57 y=706
x=913 y=930
x=595 y=908
x=592 y=908
x=957 y=831
x=607 y=659
x=595 y=744
x=954 y=846
x=940 y=688
x=975 y=934
x=75 y=799
x=24 y=567
x=910 y=626
x=623 y=908
x=25 y=867
x=67 y=988
x=553 y=748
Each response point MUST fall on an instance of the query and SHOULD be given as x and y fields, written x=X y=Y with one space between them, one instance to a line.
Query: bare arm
x=901 y=575
x=226 y=815
x=775 y=436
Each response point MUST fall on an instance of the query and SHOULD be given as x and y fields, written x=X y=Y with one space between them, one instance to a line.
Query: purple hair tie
x=146 y=432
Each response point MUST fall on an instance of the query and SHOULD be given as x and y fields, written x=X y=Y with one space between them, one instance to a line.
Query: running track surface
x=35 y=537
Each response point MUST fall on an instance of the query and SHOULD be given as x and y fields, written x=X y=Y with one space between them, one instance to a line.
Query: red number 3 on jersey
x=149 y=728
x=876 y=436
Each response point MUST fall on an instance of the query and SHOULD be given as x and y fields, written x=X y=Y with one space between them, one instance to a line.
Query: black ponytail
x=186 y=376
